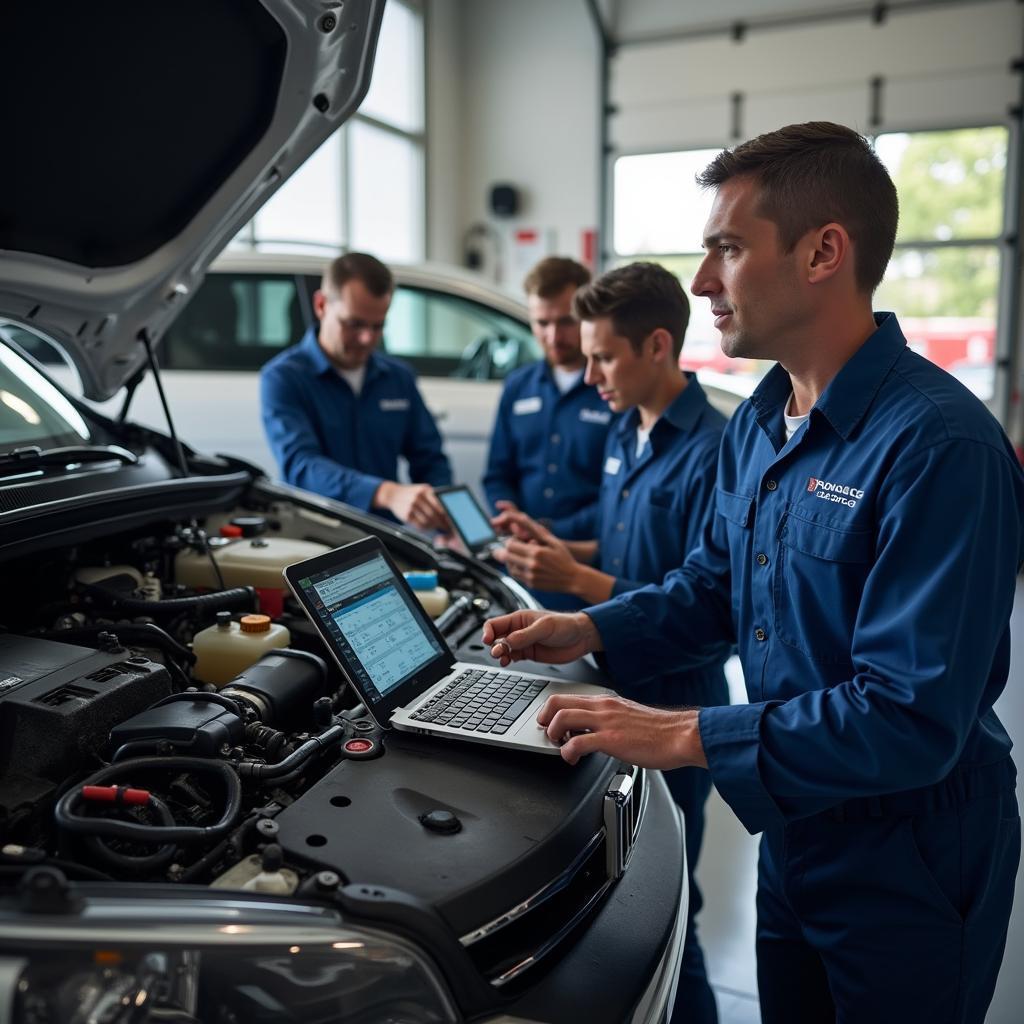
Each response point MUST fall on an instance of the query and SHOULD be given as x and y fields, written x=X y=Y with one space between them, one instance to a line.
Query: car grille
x=507 y=947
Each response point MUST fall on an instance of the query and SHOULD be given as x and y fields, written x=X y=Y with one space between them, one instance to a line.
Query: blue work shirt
x=331 y=441
x=546 y=448
x=650 y=515
x=866 y=570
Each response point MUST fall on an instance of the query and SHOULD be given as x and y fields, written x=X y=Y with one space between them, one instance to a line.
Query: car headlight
x=215 y=962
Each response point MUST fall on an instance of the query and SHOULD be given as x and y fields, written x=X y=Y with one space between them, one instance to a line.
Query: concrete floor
x=727 y=875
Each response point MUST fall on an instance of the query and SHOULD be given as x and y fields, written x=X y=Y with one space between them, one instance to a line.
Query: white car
x=461 y=334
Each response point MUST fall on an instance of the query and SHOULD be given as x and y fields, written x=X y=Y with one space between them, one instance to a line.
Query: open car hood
x=139 y=138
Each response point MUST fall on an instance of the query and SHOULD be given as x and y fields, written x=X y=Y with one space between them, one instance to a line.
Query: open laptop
x=469 y=519
x=398 y=663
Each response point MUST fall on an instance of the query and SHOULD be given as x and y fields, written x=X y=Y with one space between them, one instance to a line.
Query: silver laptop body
x=402 y=669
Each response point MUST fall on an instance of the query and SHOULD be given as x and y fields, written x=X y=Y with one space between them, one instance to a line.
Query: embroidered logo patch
x=838 y=494
x=595 y=416
x=524 y=406
x=394 y=404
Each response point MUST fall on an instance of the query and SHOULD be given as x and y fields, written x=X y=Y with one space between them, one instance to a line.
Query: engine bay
x=163 y=698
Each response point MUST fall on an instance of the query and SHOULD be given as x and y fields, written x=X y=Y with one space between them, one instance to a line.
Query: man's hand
x=517 y=524
x=541 y=636
x=415 y=504
x=545 y=563
x=647 y=737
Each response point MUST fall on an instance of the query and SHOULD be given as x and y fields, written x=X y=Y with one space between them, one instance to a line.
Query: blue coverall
x=650 y=515
x=866 y=570
x=546 y=451
x=333 y=442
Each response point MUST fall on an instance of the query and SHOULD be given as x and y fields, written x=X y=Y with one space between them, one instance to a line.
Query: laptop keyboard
x=478 y=701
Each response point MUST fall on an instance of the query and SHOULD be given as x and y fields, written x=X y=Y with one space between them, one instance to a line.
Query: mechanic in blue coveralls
x=660 y=461
x=548 y=440
x=868 y=531
x=338 y=414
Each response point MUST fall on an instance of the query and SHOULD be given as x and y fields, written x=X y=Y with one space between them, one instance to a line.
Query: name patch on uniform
x=612 y=465
x=602 y=416
x=394 y=404
x=524 y=406
x=838 y=494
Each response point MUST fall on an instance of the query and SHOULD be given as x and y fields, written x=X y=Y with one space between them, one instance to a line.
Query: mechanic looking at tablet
x=338 y=414
x=868 y=530
x=660 y=461
x=548 y=439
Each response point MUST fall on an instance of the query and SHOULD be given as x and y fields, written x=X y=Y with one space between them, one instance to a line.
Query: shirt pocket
x=820 y=573
x=735 y=512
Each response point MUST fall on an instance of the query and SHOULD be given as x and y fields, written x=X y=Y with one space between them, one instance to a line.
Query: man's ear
x=661 y=344
x=319 y=303
x=830 y=250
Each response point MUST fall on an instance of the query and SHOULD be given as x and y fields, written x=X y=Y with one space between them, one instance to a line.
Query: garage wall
x=940 y=67
x=512 y=97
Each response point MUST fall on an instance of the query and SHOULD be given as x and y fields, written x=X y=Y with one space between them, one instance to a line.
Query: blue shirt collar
x=322 y=365
x=850 y=393
x=683 y=414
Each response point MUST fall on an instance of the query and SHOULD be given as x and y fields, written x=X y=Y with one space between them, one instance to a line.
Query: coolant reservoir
x=229 y=648
x=433 y=598
x=246 y=562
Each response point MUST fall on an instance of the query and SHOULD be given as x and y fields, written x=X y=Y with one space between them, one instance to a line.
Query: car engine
x=163 y=700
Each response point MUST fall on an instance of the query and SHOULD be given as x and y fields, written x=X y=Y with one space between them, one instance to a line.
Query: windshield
x=32 y=410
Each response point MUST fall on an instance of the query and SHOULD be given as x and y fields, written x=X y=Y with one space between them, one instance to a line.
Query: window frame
x=1003 y=242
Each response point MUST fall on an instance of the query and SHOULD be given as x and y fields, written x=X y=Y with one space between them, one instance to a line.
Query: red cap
x=230 y=530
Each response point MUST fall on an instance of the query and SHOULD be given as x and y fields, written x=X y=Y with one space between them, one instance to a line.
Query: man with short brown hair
x=338 y=414
x=546 y=447
x=868 y=531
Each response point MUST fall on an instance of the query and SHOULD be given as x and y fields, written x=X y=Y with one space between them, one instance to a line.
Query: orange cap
x=254 y=623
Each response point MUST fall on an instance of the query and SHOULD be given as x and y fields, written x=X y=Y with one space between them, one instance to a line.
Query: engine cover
x=58 y=704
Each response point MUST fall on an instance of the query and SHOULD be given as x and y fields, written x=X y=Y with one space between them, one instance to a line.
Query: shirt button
x=762 y=558
x=555 y=438
x=552 y=467
x=620 y=527
x=625 y=492
x=771 y=485
x=549 y=492
x=760 y=634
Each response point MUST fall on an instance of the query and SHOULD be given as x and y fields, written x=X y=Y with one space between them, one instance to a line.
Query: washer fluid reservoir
x=227 y=649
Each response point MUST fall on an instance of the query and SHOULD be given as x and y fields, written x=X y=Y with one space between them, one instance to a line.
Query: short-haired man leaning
x=338 y=414
x=660 y=461
x=863 y=555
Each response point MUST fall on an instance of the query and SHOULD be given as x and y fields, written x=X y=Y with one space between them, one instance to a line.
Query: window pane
x=702 y=346
x=658 y=206
x=396 y=91
x=950 y=184
x=443 y=335
x=235 y=323
x=306 y=210
x=946 y=303
x=386 y=194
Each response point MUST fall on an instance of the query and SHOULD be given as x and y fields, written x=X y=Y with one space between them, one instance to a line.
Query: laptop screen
x=467 y=517
x=379 y=631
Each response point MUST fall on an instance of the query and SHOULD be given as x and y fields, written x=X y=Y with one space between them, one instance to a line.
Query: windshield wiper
x=34 y=457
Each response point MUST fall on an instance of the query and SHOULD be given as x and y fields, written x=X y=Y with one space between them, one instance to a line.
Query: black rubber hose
x=67 y=818
x=159 y=858
x=241 y=599
x=296 y=759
